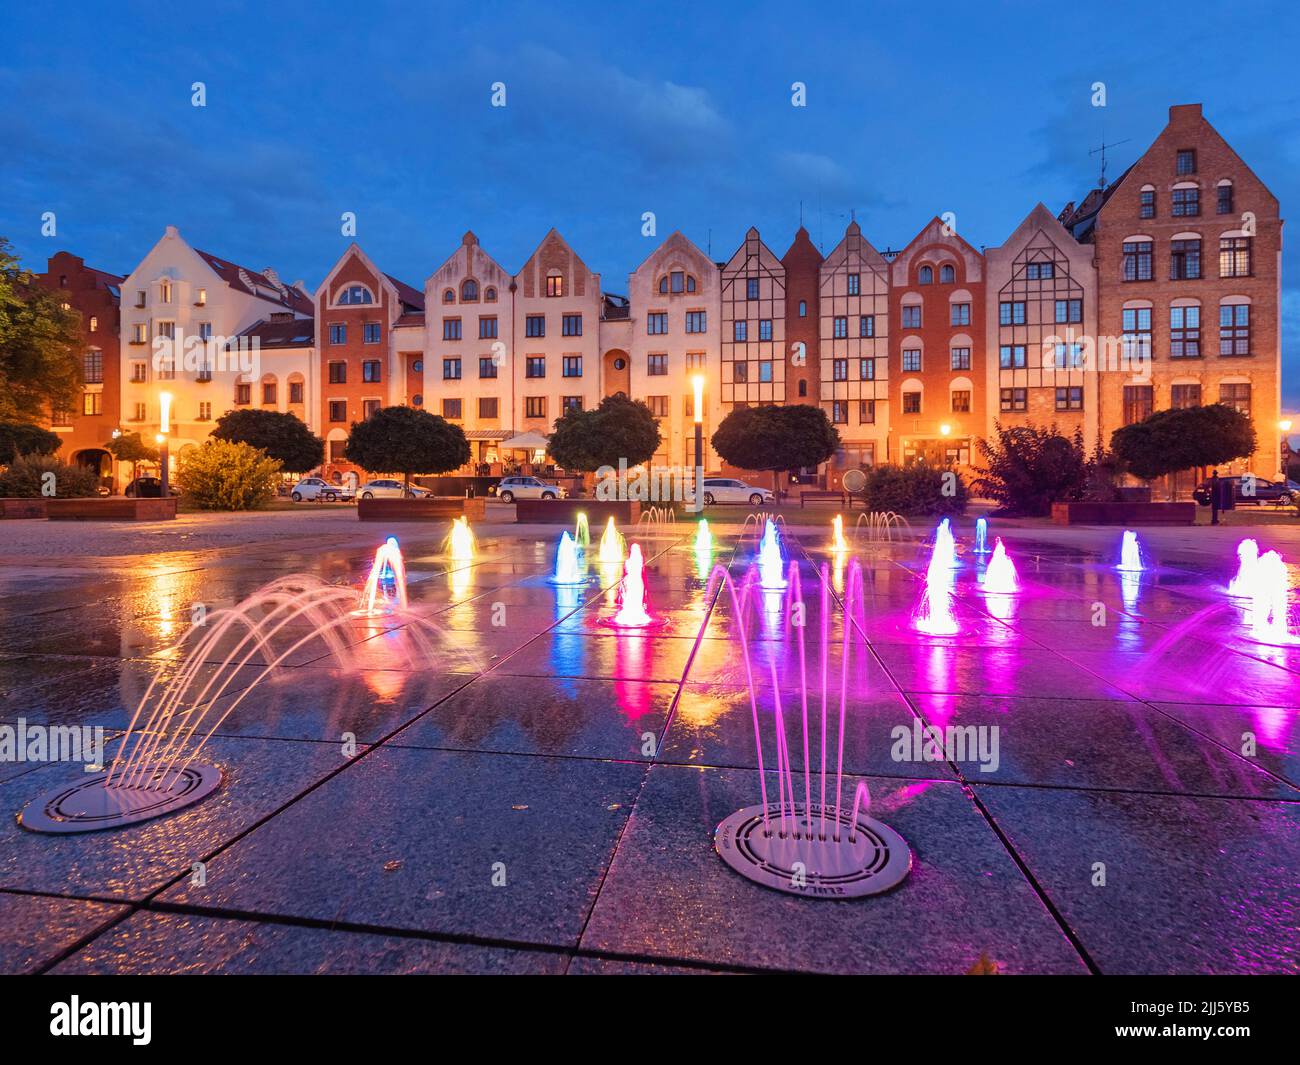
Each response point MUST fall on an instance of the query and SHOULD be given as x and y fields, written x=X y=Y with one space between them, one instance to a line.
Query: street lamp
x=697 y=382
x=164 y=426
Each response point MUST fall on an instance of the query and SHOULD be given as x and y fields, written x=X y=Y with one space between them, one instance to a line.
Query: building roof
x=259 y=283
x=1081 y=220
x=412 y=298
x=283 y=332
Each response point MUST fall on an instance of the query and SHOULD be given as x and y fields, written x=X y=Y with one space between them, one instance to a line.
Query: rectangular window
x=1184 y=260
x=740 y=372
x=1011 y=312
x=751 y=288
x=487 y=366
x=451 y=329
x=1237 y=396
x=205 y=330
x=571 y=325
x=765 y=371
x=451 y=408
x=1184 y=396
x=867 y=411
x=338 y=333
x=1184 y=332
x=911 y=402
x=451 y=369
x=1137 y=332
x=94 y=323
x=268 y=394
x=1234 y=329
x=139 y=333
x=487 y=327
x=205 y=411
x=535 y=325
x=867 y=325
x=1013 y=399
x=1138 y=402
x=866 y=369
x=1011 y=356
x=840 y=369
x=93 y=367
x=1069 y=311
x=1186 y=203
x=338 y=410
x=912 y=316
x=534 y=406
x=1070 y=398
x=960 y=313
x=568 y=403
x=139 y=372
x=535 y=366
x=487 y=406
x=839 y=412
x=678 y=282
x=961 y=358
x=337 y=450
x=695 y=360
x=765 y=329
x=656 y=365
x=656 y=323
x=841 y=327
x=1186 y=161
x=1224 y=203
x=1234 y=257
x=338 y=373
x=697 y=321
x=555 y=285
x=740 y=330
x=855 y=282
x=1137 y=260
x=1147 y=204
x=571 y=366
x=92 y=403
x=370 y=333
x=658 y=405
x=295 y=391
x=370 y=371
x=911 y=360
x=139 y=413
x=960 y=401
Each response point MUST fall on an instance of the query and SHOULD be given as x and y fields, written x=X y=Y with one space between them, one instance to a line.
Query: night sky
x=612 y=110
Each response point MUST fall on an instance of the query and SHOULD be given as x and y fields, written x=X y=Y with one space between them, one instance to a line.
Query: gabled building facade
x=753 y=355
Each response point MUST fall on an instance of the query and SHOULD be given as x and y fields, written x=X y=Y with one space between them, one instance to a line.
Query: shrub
x=26 y=476
x=915 y=490
x=1030 y=467
x=225 y=475
x=23 y=438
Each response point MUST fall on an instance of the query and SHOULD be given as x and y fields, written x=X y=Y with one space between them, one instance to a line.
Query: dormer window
x=355 y=295
x=469 y=291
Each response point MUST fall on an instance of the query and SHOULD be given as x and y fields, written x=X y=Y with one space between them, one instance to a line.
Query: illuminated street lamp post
x=697 y=382
x=164 y=426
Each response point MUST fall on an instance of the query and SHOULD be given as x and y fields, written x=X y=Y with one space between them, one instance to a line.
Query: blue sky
x=612 y=110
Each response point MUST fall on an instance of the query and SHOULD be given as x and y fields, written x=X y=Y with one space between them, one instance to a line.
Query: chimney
x=171 y=231
x=1184 y=113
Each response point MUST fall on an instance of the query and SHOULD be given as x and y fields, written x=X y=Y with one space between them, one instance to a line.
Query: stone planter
x=14 y=507
x=1128 y=514
x=565 y=512
x=435 y=509
x=111 y=508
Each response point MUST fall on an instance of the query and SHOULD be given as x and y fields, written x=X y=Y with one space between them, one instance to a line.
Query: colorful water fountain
x=1130 y=554
x=981 y=536
x=1269 y=601
x=1243 y=584
x=385 y=588
x=935 y=615
x=1000 y=575
x=611 y=544
x=461 y=541
x=582 y=531
x=770 y=563
x=838 y=543
x=632 y=611
x=568 y=563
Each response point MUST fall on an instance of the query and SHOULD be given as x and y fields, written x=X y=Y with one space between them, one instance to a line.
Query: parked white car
x=317 y=489
x=730 y=490
x=383 y=488
x=511 y=488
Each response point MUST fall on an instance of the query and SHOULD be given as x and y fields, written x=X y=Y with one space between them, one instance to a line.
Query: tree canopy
x=618 y=429
x=406 y=441
x=283 y=436
x=1027 y=468
x=776 y=438
x=40 y=346
x=130 y=447
x=23 y=438
x=1172 y=440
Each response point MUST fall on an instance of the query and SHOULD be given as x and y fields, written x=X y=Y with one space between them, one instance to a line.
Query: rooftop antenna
x=1101 y=150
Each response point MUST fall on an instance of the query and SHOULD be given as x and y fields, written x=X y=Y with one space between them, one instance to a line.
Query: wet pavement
x=500 y=781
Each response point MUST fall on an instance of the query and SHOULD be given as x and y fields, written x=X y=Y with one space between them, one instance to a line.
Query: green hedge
x=915 y=490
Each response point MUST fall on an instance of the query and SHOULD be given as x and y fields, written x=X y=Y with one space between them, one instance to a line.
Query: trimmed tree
x=23 y=438
x=618 y=429
x=1172 y=440
x=406 y=441
x=224 y=475
x=776 y=438
x=283 y=436
x=130 y=447
x=40 y=346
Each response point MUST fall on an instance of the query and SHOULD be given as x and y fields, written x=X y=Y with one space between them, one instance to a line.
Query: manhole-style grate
x=88 y=806
x=849 y=862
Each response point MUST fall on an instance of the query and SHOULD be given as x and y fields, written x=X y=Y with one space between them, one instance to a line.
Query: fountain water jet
x=1000 y=576
x=461 y=540
x=1243 y=584
x=1270 y=592
x=935 y=617
x=387 y=566
x=838 y=543
x=769 y=558
x=611 y=544
x=582 y=531
x=703 y=537
x=1130 y=554
x=982 y=536
x=568 y=568
x=632 y=612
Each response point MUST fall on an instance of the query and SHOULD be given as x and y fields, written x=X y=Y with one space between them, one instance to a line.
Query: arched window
x=490 y=294
x=690 y=283
x=355 y=295
x=469 y=291
x=947 y=275
x=449 y=295
x=663 y=285
x=926 y=275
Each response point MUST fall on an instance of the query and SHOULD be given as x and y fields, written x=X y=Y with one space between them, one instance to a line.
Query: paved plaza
x=513 y=785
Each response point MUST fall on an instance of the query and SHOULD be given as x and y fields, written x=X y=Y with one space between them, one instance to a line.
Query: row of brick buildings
x=1159 y=290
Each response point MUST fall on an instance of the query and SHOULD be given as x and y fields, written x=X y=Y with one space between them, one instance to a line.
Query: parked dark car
x=1279 y=493
x=148 y=488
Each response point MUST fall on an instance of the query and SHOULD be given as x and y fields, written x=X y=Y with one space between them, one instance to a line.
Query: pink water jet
x=388 y=565
x=935 y=617
x=1000 y=577
x=632 y=612
x=1243 y=584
